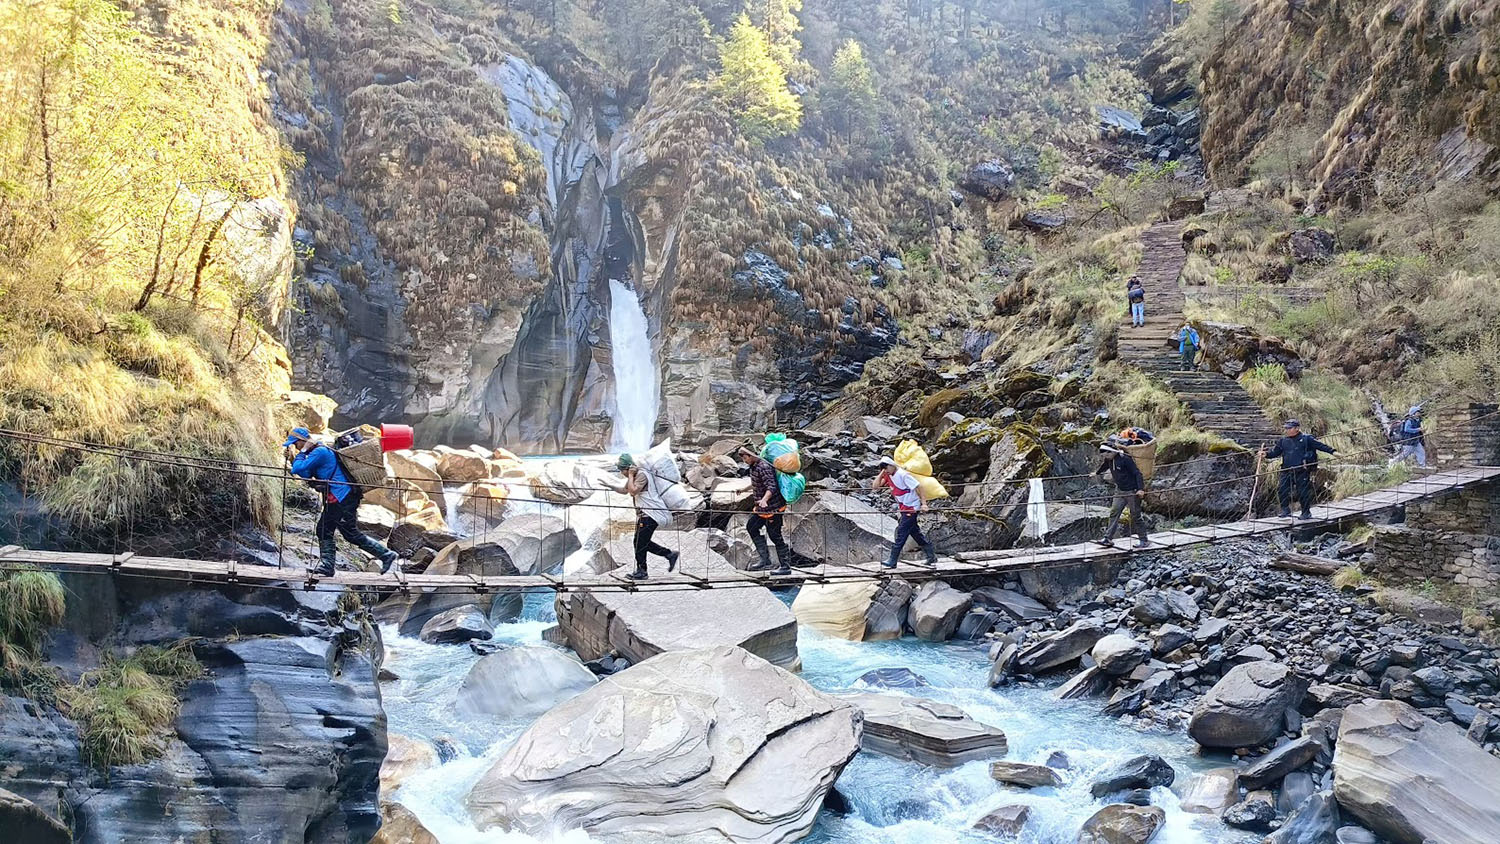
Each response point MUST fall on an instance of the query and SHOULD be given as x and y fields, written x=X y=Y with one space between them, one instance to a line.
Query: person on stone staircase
x=906 y=490
x=769 y=507
x=1130 y=488
x=320 y=466
x=1299 y=458
x=1136 y=294
x=1188 y=343
x=651 y=512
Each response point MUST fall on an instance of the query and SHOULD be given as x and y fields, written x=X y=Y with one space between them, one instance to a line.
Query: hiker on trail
x=320 y=466
x=1409 y=439
x=906 y=490
x=1136 y=294
x=1188 y=343
x=651 y=512
x=1130 y=488
x=1299 y=459
x=769 y=507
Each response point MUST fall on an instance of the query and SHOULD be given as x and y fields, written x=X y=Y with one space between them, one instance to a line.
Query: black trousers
x=771 y=527
x=1123 y=500
x=342 y=517
x=1301 y=478
x=907 y=528
x=645 y=528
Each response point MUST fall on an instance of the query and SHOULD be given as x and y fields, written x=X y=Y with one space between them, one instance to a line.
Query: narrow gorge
x=513 y=241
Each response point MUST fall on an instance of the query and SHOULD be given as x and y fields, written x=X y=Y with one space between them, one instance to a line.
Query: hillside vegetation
x=137 y=269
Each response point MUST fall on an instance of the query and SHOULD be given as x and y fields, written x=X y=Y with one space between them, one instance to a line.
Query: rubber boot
x=931 y=554
x=328 y=552
x=761 y=551
x=781 y=566
x=638 y=574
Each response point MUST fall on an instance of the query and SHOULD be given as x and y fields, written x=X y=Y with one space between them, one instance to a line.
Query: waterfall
x=637 y=391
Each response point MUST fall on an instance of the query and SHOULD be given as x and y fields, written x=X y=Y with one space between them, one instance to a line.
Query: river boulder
x=1122 y=823
x=403 y=758
x=639 y=625
x=1118 y=654
x=1022 y=775
x=1155 y=606
x=1247 y=707
x=886 y=616
x=522 y=682
x=399 y=826
x=536 y=542
x=1412 y=779
x=837 y=609
x=693 y=744
x=1137 y=772
x=460 y=624
x=419 y=467
x=936 y=611
x=925 y=731
x=1060 y=648
x=463 y=465
x=1314 y=821
x=1210 y=792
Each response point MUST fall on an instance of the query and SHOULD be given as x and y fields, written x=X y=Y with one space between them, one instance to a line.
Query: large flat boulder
x=835 y=527
x=1060 y=648
x=1247 y=707
x=475 y=556
x=837 y=609
x=697 y=745
x=1414 y=780
x=640 y=625
x=936 y=611
x=572 y=480
x=522 y=682
x=925 y=731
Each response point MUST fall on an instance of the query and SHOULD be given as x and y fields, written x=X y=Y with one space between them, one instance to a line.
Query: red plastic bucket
x=395 y=437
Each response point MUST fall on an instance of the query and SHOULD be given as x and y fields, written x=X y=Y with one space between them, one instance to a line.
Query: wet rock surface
x=925 y=731
x=284 y=731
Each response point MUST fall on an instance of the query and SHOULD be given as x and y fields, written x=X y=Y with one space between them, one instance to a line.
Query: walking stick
x=1255 y=486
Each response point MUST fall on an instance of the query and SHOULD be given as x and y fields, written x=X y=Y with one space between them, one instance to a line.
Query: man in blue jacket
x=317 y=462
x=1188 y=343
x=1299 y=457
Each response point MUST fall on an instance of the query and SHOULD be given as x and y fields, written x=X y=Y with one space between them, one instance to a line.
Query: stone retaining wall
x=1454 y=537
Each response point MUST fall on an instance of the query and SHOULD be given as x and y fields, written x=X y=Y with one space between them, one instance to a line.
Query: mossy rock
x=1021 y=382
x=937 y=404
x=965 y=448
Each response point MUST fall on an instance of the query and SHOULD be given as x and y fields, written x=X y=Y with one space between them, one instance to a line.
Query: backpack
x=361 y=458
x=659 y=463
x=1144 y=455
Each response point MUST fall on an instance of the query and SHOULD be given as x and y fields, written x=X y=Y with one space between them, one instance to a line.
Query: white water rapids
x=637 y=381
x=892 y=802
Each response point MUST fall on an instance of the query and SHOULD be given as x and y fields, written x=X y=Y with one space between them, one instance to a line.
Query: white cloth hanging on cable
x=1036 y=511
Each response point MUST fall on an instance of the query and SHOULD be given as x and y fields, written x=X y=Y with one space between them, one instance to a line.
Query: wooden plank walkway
x=959 y=565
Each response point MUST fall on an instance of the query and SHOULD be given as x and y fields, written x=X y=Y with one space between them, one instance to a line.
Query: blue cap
x=298 y=434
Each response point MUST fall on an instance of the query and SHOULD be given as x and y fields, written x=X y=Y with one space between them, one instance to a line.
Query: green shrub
x=31 y=603
x=125 y=709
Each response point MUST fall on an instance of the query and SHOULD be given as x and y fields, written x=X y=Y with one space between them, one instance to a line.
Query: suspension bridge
x=967 y=564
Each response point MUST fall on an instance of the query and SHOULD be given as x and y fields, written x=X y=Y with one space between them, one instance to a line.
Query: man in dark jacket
x=320 y=466
x=1130 y=488
x=1299 y=458
x=769 y=507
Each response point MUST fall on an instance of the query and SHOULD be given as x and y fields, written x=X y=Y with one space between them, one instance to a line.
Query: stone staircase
x=1217 y=402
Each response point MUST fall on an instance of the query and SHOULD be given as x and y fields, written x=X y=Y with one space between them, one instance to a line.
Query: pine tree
x=754 y=86
x=850 y=98
x=778 y=20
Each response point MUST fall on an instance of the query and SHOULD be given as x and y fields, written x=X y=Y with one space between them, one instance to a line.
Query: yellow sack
x=929 y=487
x=912 y=458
